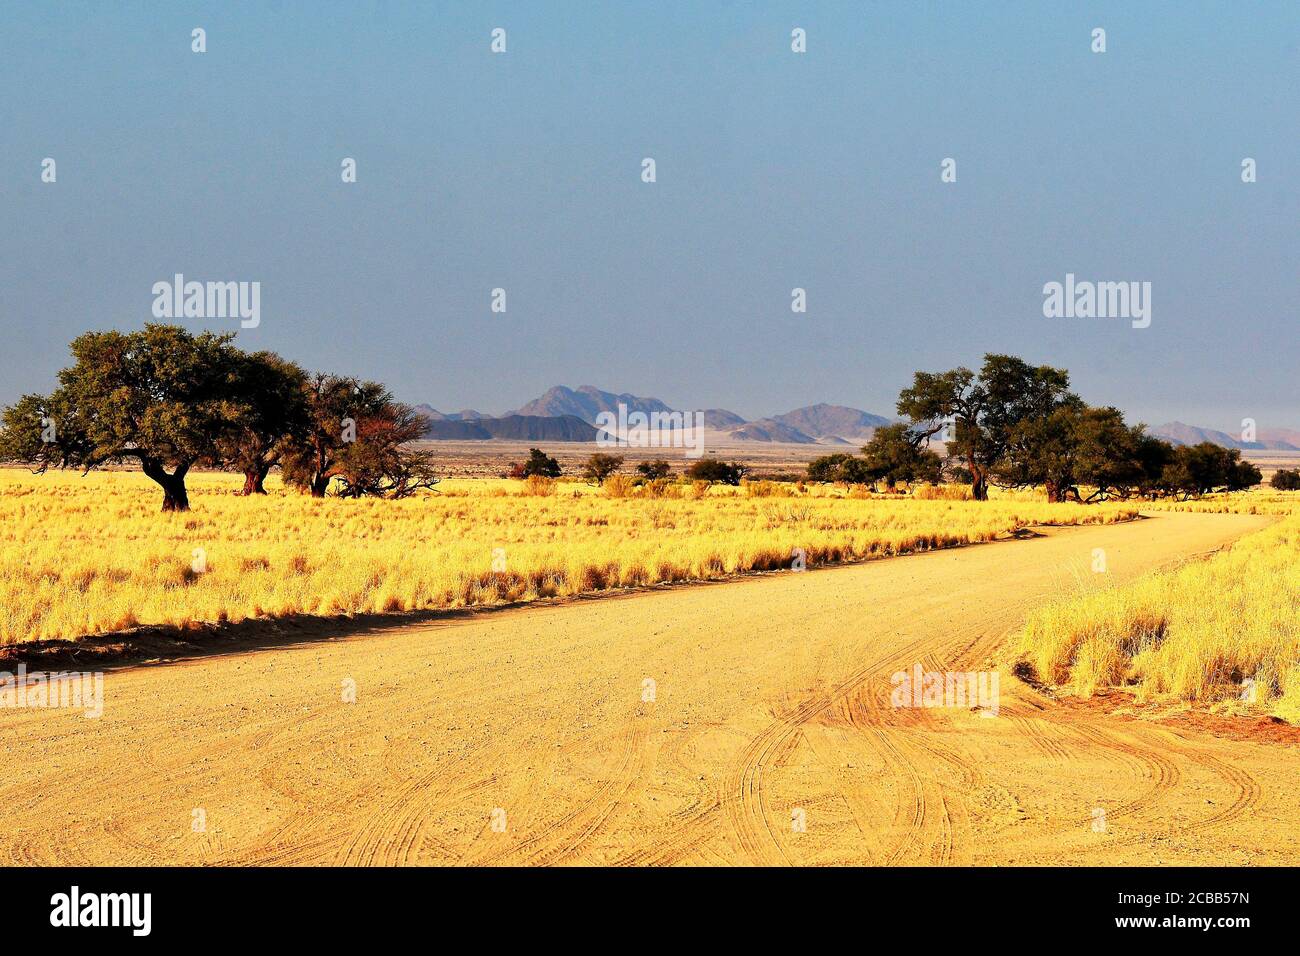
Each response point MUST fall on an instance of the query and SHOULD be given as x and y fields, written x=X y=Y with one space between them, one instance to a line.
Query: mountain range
x=542 y=417
x=570 y=414
x=1273 y=439
x=512 y=427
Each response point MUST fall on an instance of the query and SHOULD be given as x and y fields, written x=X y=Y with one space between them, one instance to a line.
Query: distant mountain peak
x=1181 y=433
x=464 y=415
x=823 y=421
x=586 y=402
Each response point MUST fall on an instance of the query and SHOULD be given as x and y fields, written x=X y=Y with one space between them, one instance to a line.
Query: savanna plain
x=728 y=698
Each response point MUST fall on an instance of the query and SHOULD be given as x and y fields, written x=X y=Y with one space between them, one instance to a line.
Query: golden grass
x=87 y=555
x=1220 y=631
x=1262 y=501
x=944 y=492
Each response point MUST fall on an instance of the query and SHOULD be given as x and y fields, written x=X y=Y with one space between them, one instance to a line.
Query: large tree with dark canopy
x=355 y=433
x=270 y=414
x=1044 y=450
x=162 y=396
x=1202 y=468
x=983 y=409
x=1115 y=459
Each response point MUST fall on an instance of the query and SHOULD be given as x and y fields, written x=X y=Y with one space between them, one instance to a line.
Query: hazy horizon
x=1231 y=428
x=775 y=170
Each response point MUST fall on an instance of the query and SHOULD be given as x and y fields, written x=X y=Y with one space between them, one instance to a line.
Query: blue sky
x=775 y=170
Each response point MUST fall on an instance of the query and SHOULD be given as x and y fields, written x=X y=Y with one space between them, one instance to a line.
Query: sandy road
x=771 y=697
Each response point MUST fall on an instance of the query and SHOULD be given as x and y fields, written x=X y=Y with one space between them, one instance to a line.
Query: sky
x=774 y=170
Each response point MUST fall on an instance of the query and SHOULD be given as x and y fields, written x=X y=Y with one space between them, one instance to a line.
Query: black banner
x=334 y=905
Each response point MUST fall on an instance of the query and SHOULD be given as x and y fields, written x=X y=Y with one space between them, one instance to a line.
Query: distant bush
x=942 y=492
x=1284 y=480
x=716 y=470
x=662 y=488
x=539 y=486
x=618 y=486
x=540 y=463
x=768 y=489
x=654 y=469
x=600 y=466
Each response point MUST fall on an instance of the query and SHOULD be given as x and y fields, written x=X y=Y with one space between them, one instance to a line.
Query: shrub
x=716 y=470
x=661 y=488
x=600 y=466
x=765 y=489
x=618 y=486
x=654 y=470
x=539 y=486
x=1284 y=480
x=929 y=492
x=540 y=463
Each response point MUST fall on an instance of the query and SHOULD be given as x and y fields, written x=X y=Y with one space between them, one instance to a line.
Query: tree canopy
x=1017 y=425
x=982 y=410
x=173 y=400
x=162 y=396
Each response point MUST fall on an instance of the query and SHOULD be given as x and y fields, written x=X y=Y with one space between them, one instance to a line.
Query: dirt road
x=529 y=736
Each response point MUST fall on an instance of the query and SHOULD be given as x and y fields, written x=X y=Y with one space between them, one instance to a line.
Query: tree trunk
x=175 y=497
x=254 y=475
x=979 y=482
x=1053 y=492
x=319 y=485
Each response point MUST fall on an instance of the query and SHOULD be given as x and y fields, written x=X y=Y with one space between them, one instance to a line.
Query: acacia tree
x=1119 y=460
x=1202 y=468
x=1284 y=480
x=829 y=467
x=385 y=470
x=540 y=463
x=379 y=463
x=161 y=396
x=841 y=467
x=895 y=454
x=600 y=466
x=654 y=470
x=716 y=470
x=1045 y=450
x=983 y=410
x=270 y=414
x=355 y=432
